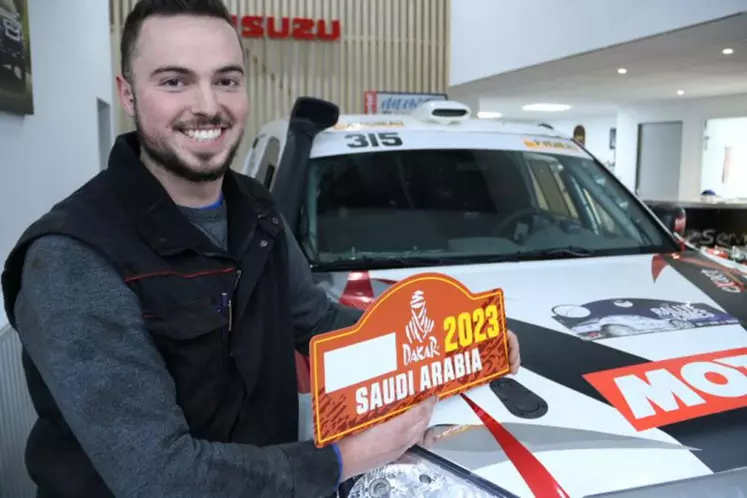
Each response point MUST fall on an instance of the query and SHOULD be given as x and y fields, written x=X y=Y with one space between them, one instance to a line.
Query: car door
x=263 y=161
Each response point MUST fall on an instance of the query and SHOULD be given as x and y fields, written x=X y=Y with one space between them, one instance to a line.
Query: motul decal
x=662 y=393
x=567 y=360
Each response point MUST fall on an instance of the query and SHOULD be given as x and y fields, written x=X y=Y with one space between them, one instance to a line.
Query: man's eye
x=230 y=82
x=172 y=82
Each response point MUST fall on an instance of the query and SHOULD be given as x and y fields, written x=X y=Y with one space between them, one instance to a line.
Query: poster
x=427 y=335
x=376 y=102
x=16 y=95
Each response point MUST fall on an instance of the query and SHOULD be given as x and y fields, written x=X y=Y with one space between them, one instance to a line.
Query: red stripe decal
x=537 y=477
x=303 y=373
x=658 y=263
x=168 y=273
x=358 y=291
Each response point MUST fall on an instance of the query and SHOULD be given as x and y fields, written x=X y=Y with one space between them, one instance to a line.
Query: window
x=465 y=205
x=550 y=186
x=268 y=165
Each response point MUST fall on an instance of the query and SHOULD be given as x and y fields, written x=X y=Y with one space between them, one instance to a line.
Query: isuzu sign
x=282 y=28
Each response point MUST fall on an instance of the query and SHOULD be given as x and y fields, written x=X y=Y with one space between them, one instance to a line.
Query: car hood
x=634 y=371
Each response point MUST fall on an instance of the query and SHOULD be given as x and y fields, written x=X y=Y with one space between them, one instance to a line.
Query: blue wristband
x=339 y=463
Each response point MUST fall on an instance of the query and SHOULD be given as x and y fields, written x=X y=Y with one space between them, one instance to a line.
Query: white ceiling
x=689 y=59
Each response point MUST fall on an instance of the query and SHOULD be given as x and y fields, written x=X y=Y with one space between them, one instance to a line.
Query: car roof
x=348 y=122
x=421 y=120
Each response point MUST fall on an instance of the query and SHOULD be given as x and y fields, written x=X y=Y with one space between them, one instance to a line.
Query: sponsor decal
x=722 y=277
x=661 y=393
x=425 y=336
x=547 y=144
x=725 y=286
x=721 y=281
x=633 y=316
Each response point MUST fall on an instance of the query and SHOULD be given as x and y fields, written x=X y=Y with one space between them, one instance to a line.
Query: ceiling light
x=680 y=92
x=727 y=51
x=546 y=107
x=489 y=115
x=622 y=70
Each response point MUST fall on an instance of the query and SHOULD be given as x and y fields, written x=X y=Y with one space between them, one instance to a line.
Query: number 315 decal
x=360 y=140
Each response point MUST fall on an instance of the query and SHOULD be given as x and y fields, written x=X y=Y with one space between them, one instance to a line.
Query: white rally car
x=634 y=348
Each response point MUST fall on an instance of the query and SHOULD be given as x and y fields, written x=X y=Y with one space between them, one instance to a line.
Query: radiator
x=16 y=418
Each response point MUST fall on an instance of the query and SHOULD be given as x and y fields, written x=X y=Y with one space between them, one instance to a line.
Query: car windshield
x=399 y=208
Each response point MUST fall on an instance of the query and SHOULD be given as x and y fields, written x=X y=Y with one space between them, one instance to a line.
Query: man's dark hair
x=147 y=8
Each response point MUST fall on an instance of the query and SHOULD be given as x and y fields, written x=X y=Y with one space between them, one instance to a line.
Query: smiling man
x=160 y=305
x=190 y=117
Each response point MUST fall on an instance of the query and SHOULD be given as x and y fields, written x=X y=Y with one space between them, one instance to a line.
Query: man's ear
x=126 y=95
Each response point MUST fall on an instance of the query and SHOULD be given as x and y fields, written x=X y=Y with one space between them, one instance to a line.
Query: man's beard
x=169 y=160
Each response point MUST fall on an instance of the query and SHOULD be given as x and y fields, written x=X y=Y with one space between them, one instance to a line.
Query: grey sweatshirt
x=83 y=329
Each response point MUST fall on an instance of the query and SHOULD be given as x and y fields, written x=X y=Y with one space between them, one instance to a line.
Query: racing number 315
x=359 y=140
x=470 y=327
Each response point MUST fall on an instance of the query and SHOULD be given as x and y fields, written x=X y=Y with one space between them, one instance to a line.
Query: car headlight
x=420 y=474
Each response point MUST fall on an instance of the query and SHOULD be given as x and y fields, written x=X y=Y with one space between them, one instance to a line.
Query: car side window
x=269 y=162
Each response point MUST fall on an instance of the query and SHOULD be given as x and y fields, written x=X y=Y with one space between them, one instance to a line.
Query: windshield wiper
x=552 y=253
x=383 y=262
x=366 y=262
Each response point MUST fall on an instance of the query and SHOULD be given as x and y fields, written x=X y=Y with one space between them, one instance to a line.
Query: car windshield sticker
x=367 y=125
x=627 y=316
x=656 y=394
x=425 y=336
x=550 y=144
x=344 y=140
x=382 y=139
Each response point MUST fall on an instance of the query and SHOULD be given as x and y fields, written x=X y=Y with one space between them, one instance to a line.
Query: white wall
x=517 y=34
x=693 y=113
x=597 y=134
x=722 y=133
x=46 y=156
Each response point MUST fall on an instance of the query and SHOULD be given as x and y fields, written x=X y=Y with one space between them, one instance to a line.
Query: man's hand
x=385 y=443
x=514 y=355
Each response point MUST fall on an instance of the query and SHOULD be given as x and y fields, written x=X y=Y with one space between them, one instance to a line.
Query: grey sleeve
x=82 y=328
x=312 y=310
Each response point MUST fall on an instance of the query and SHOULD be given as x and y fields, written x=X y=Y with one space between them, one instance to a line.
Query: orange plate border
x=321 y=338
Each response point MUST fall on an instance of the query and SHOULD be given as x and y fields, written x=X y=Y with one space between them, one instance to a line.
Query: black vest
x=246 y=391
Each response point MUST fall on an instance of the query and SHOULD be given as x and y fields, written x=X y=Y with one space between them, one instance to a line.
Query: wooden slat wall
x=394 y=45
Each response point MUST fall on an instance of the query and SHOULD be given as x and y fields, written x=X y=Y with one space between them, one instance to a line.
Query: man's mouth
x=204 y=134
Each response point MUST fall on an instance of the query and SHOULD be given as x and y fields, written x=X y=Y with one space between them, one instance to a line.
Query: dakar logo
x=421 y=344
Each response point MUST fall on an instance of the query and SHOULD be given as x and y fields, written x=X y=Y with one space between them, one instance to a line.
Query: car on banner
x=622 y=317
x=633 y=344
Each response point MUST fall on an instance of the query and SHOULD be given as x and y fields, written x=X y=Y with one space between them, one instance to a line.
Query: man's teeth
x=204 y=135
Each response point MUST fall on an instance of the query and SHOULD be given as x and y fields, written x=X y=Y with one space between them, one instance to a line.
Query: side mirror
x=672 y=215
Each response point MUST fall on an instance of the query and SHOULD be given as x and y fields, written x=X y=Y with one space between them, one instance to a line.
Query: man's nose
x=205 y=100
